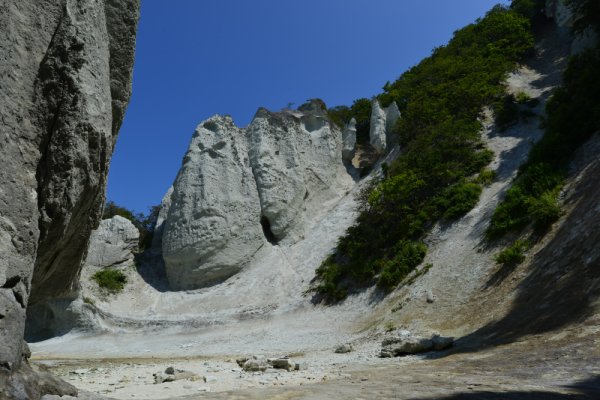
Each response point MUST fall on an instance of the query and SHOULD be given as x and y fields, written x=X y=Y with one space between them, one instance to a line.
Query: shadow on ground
x=588 y=389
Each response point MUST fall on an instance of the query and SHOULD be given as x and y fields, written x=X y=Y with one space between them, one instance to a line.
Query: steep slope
x=65 y=82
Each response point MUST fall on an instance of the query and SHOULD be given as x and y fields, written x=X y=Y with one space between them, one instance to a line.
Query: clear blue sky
x=197 y=58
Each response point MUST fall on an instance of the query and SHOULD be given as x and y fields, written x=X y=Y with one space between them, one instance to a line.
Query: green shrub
x=408 y=255
x=486 y=177
x=506 y=112
x=523 y=98
x=528 y=8
x=512 y=255
x=110 y=279
x=459 y=199
x=545 y=210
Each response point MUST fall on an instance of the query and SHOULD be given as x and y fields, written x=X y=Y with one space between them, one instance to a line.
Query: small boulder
x=345 y=348
x=282 y=363
x=255 y=364
x=171 y=374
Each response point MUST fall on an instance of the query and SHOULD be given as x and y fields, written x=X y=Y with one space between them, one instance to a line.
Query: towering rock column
x=382 y=122
x=65 y=80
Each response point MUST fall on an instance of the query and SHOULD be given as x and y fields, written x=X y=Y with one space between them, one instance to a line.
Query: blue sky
x=197 y=58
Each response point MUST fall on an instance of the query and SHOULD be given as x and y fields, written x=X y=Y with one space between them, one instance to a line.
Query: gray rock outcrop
x=241 y=188
x=213 y=223
x=65 y=80
x=382 y=122
x=113 y=243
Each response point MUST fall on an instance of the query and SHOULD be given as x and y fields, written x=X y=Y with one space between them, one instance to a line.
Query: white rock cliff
x=239 y=189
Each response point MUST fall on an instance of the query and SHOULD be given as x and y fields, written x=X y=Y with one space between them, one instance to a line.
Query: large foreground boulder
x=65 y=80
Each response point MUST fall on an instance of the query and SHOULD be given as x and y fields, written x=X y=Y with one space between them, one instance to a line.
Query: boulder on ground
x=345 y=348
x=172 y=374
x=255 y=364
x=404 y=345
x=281 y=363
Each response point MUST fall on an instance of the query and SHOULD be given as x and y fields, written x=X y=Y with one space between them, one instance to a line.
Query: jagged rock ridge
x=65 y=81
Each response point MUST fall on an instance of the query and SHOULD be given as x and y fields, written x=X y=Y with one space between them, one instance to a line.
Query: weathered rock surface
x=382 y=122
x=213 y=223
x=65 y=79
x=113 y=243
x=239 y=188
x=349 y=141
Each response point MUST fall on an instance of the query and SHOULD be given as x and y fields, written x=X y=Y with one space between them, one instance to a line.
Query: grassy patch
x=110 y=279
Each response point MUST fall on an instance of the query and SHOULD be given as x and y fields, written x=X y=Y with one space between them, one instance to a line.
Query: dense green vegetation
x=436 y=176
x=110 y=279
x=573 y=115
x=144 y=222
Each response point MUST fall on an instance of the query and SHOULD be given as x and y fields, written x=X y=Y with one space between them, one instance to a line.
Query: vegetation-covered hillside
x=436 y=177
x=573 y=115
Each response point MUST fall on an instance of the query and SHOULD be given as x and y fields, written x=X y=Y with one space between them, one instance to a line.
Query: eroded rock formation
x=382 y=122
x=239 y=189
x=65 y=80
x=213 y=221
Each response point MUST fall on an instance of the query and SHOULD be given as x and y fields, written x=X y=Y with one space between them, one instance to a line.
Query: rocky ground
x=551 y=366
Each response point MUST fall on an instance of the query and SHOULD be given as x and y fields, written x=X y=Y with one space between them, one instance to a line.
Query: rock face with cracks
x=65 y=80
x=239 y=189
